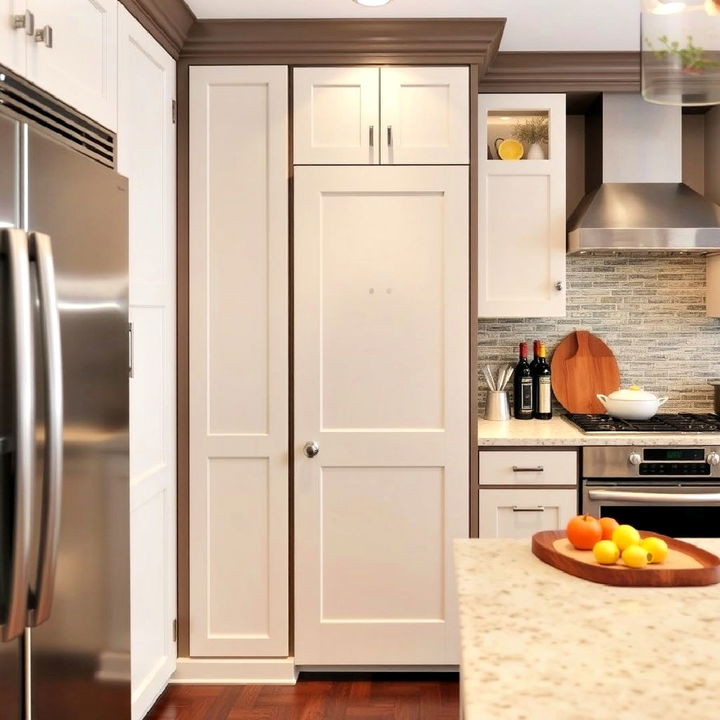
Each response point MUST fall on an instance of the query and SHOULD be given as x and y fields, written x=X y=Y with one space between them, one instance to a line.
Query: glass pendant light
x=681 y=52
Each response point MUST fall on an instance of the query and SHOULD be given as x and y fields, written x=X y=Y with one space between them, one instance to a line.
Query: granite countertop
x=559 y=432
x=538 y=644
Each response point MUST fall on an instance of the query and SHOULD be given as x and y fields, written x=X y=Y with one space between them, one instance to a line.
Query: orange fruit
x=584 y=531
x=608 y=525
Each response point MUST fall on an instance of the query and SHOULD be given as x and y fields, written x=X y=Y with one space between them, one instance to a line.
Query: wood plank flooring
x=367 y=696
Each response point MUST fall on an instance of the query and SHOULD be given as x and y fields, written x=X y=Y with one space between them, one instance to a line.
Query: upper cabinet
x=66 y=47
x=521 y=228
x=388 y=116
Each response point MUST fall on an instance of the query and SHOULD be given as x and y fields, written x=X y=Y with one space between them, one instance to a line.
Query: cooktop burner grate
x=666 y=423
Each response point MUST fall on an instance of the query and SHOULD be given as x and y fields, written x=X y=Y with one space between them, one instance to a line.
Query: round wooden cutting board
x=583 y=366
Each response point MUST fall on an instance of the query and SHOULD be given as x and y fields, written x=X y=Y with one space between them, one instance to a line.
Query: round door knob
x=311 y=449
x=559 y=285
x=713 y=458
x=635 y=458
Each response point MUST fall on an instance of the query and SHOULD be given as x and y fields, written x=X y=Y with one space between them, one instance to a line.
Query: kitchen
x=334 y=173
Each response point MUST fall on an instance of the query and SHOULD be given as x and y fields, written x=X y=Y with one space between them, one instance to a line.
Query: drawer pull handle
x=539 y=508
x=539 y=468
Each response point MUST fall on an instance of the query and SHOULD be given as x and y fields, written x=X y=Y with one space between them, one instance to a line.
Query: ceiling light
x=372 y=3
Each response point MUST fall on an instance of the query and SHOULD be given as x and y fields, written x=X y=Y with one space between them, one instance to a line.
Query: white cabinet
x=336 y=116
x=515 y=513
x=239 y=470
x=521 y=232
x=389 y=115
x=146 y=155
x=16 y=29
x=72 y=53
x=525 y=491
x=381 y=385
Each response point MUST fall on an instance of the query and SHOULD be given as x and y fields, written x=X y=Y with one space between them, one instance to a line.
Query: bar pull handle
x=539 y=468
x=13 y=244
x=655 y=498
x=131 y=351
x=41 y=253
x=372 y=136
x=518 y=508
x=389 y=135
x=25 y=21
x=45 y=36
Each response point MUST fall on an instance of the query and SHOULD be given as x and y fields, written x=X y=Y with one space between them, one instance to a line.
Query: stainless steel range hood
x=641 y=205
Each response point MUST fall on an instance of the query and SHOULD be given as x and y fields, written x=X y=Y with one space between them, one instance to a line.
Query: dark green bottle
x=542 y=387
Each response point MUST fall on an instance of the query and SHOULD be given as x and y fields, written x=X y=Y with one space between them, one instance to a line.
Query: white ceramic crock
x=632 y=403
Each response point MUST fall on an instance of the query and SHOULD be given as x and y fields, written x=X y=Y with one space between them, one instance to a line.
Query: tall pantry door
x=381 y=388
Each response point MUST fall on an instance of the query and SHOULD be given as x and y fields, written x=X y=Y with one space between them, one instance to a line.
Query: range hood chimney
x=638 y=201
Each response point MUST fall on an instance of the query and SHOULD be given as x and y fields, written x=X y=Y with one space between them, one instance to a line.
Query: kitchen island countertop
x=538 y=644
x=560 y=432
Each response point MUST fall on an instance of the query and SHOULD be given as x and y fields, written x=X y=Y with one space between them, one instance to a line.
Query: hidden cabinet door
x=381 y=412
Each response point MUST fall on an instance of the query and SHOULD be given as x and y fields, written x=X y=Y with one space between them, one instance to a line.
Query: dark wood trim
x=457 y=41
x=563 y=72
x=168 y=21
x=473 y=319
x=183 y=364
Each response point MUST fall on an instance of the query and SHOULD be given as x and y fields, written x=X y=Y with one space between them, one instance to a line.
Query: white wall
x=532 y=24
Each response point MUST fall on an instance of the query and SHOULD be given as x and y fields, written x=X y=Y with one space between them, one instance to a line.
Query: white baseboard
x=235 y=671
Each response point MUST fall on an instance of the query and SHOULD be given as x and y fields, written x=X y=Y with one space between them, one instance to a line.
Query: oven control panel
x=672 y=461
x=662 y=468
x=621 y=462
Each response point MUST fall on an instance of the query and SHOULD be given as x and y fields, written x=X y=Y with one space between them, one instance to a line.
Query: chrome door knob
x=311 y=449
x=635 y=458
x=713 y=458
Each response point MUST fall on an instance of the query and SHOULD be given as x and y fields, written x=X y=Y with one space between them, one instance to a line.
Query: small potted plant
x=533 y=133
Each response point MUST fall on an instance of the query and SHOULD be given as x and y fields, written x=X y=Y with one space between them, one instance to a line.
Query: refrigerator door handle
x=14 y=245
x=41 y=253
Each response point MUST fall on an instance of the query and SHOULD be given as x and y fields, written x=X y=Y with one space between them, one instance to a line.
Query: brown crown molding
x=336 y=41
x=563 y=72
x=168 y=21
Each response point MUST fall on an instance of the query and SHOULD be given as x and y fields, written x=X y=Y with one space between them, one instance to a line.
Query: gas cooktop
x=664 y=424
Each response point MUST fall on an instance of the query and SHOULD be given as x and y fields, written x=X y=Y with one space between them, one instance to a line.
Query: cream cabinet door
x=516 y=513
x=425 y=115
x=14 y=38
x=238 y=361
x=77 y=60
x=381 y=386
x=521 y=214
x=146 y=155
x=336 y=116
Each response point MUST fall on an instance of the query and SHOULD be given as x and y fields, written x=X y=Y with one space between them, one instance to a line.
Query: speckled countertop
x=538 y=644
x=559 y=432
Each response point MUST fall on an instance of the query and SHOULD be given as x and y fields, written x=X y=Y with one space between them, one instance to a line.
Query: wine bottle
x=523 y=387
x=534 y=361
x=542 y=388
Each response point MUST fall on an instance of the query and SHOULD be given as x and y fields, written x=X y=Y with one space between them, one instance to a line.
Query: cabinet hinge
x=174 y=111
x=174 y=630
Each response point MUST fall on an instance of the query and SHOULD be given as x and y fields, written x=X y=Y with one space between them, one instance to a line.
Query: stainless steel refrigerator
x=64 y=488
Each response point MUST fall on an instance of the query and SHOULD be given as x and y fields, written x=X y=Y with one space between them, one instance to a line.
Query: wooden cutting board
x=583 y=366
x=685 y=565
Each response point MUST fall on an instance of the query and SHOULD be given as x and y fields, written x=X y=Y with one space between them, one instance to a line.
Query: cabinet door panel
x=81 y=66
x=335 y=116
x=522 y=513
x=146 y=155
x=381 y=385
x=238 y=362
x=425 y=116
x=13 y=41
x=521 y=219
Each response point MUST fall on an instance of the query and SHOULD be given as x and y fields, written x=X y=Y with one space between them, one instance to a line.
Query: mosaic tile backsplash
x=650 y=311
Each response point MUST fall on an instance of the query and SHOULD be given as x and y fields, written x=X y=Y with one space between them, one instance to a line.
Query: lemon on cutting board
x=625 y=535
x=656 y=547
x=635 y=556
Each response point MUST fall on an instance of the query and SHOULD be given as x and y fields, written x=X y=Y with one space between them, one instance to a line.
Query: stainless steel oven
x=669 y=490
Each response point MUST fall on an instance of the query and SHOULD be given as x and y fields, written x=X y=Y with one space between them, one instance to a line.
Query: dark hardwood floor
x=371 y=696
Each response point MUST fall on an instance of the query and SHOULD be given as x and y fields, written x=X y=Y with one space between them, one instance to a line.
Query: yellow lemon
x=625 y=535
x=657 y=548
x=606 y=552
x=635 y=556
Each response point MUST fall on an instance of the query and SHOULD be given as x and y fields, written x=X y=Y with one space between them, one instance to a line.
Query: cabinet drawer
x=528 y=467
x=521 y=513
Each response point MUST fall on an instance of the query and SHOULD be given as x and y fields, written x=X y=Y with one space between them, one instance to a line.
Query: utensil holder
x=497 y=406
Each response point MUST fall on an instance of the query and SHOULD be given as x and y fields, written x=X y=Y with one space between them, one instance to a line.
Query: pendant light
x=372 y=3
x=681 y=52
